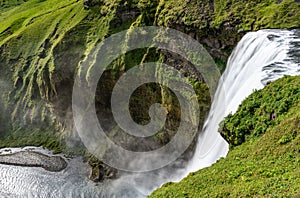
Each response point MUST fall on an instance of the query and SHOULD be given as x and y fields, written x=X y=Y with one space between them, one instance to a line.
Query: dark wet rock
x=34 y=159
x=99 y=171
x=271 y=37
x=278 y=71
x=90 y=3
x=296 y=44
x=273 y=116
x=97 y=174
x=294 y=52
x=272 y=66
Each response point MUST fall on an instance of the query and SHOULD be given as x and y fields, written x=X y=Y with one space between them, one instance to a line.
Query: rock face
x=41 y=53
x=38 y=85
x=100 y=171
x=34 y=159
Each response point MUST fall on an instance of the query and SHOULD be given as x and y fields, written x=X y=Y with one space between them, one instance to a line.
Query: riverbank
x=73 y=181
x=32 y=158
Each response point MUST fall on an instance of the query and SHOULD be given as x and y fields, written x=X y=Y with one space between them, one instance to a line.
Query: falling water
x=259 y=57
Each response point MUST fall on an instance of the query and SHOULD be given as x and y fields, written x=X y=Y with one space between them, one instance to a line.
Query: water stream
x=260 y=57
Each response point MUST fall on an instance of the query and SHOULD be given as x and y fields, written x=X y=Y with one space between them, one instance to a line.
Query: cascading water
x=260 y=57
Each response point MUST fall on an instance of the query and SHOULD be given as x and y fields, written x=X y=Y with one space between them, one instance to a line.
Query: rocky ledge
x=34 y=159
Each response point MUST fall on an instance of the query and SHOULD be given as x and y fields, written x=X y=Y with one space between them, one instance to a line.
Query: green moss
x=35 y=30
x=7 y=4
x=266 y=165
x=261 y=110
x=248 y=15
x=31 y=137
x=42 y=43
x=32 y=33
x=254 y=14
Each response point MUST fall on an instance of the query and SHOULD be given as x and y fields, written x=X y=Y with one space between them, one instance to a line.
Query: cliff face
x=42 y=43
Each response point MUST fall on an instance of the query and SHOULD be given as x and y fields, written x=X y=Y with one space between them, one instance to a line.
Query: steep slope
x=29 y=38
x=265 y=148
x=42 y=43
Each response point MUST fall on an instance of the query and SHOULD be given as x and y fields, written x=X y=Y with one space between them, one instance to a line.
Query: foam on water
x=260 y=57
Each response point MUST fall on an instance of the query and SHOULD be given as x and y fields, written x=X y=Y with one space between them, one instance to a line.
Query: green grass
x=261 y=110
x=255 y=14
x=41 y=46
x=7 y=4
x=29 y=33
x=267 y=164
x=32 y=30
x=239 y=14
x=42 y=43
x=32 y=137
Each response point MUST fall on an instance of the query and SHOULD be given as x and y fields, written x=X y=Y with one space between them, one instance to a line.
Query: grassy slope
x=29 y=33
x=220 y=24
x=257 y=14
x=42 y=42
x=267 y=164
x=244 y=14
x=31 y=30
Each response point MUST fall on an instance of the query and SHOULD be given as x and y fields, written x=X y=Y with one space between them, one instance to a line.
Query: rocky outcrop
x=40 y=55
x=34 y=159
x=99 y=171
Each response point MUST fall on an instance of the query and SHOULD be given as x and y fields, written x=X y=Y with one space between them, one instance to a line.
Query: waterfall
x=260 y=57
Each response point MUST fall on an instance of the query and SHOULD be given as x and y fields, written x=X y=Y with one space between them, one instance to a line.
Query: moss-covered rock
x=42 y=44
x=100 y=171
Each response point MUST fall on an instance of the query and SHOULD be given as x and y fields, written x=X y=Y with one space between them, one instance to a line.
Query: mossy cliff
x=265 y=149
x=42 y=43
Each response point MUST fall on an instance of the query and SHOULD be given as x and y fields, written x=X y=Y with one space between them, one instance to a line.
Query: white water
x=260 y=57
x=36 y=182
x=248 y=69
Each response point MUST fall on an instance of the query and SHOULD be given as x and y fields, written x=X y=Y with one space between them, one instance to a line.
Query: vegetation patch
x=43 y=42
x=267 y=163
